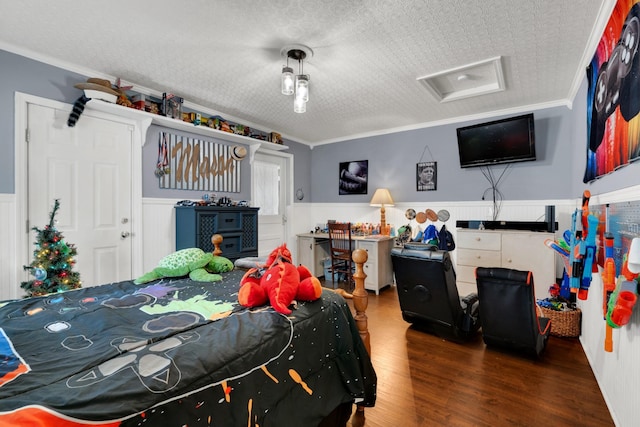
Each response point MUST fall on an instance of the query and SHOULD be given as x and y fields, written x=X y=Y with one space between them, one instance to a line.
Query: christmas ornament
x=40 y=274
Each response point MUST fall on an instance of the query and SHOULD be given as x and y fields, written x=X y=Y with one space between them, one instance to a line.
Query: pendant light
x=287 y=80
x=297 y=84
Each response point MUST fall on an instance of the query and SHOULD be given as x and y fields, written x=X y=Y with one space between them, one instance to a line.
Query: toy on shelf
x=578 y=252
x=583 y=248
x=623 y=299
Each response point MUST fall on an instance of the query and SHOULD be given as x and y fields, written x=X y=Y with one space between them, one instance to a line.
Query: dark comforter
x=177 y=352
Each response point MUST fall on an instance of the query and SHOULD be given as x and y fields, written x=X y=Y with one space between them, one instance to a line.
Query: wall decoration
x=613 y=98
x=186 y=163
x=427 y=176
x=353 y=177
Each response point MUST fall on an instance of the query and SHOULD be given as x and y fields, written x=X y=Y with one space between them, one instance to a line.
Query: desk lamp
x=381 y=198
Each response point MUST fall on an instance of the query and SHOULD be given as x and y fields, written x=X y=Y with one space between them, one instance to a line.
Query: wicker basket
x=563 y=323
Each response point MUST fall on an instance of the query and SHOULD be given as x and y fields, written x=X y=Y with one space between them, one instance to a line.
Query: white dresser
x=519 y=250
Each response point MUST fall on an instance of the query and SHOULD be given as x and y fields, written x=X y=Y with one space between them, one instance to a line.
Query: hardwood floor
x=424 y=380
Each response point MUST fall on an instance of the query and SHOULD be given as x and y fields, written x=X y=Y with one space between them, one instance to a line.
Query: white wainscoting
x=618 y=372
x=10 y=270
x=307 y=219
x=159 y=230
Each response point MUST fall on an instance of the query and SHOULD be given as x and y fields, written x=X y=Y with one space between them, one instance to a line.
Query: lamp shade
x=302 y=87
x=287 y=81
x=299 y=106
x=382 y=197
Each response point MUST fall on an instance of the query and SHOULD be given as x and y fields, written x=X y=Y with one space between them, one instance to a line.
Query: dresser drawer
x=466 y=274
x=479 y=240
x=229 y=221
x=479 y=257
x=231 y=244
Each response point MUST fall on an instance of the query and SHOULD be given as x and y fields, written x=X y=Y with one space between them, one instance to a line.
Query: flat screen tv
x=502 y=141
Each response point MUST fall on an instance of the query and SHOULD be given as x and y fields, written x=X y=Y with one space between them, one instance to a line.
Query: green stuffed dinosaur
x=198 y=264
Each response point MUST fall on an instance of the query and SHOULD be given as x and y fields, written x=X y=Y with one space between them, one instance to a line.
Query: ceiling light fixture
x=298 y=84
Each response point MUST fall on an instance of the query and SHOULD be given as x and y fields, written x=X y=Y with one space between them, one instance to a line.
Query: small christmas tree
x=53 y=260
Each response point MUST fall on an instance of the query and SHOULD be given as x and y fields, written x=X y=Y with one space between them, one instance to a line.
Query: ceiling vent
x=479 y=78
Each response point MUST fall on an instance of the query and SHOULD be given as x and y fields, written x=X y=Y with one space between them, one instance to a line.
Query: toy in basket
x=565 y=319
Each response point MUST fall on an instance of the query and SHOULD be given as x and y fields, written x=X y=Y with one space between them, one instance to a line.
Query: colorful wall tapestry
x=613 y=98
x=193 y=164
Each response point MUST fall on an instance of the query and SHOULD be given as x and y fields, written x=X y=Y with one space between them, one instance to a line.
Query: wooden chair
x=340 y=248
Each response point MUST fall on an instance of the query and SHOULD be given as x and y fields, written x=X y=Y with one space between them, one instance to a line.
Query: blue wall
x=557 y=174
x=21 y=74
x=393 y=157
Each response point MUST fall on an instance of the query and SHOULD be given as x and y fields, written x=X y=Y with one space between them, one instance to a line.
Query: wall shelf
x=146 y=119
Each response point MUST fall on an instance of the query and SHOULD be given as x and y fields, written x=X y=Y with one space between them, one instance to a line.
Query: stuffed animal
x=198 y=264
x=278 y=282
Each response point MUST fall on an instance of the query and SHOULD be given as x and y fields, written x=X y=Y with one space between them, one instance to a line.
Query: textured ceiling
x=225 y=55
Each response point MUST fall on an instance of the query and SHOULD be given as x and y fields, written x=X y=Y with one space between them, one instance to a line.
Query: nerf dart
x=588 y=250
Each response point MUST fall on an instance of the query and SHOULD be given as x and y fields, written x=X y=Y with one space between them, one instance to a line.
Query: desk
x=313 y=249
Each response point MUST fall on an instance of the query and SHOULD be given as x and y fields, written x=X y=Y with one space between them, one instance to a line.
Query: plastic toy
x=608 y=281
x=278 y=282
x=200 y=266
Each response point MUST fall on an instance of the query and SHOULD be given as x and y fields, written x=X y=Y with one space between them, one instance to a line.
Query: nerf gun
x=587 y=246
x=588 y=251
x=574 y=261
x=608 y=281
x=563 y=250
x=626 y=294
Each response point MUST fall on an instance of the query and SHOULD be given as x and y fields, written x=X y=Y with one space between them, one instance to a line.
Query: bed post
x=360 y=302
x=361 y=297
x=216 y=239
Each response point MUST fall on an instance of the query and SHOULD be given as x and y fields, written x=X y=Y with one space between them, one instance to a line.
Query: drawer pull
x=477 y=239
x=228 y=220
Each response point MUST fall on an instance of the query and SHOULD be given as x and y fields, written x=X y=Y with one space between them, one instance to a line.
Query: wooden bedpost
x=361 y=297
x=216 y=239
x=360 y=303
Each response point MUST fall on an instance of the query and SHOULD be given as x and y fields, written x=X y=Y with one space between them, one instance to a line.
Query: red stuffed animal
x=278 y=282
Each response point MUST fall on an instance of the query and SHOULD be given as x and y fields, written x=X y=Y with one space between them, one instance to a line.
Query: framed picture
x=353 y=177
x=427 y=176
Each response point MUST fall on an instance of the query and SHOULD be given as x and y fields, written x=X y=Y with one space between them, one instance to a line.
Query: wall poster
x=353 y=177
x=426 y=176
x=186 y=163
x=613 y=97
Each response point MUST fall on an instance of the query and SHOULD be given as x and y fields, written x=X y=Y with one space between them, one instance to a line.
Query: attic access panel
x=479 y=78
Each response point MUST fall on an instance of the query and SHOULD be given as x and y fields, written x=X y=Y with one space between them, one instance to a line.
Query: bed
x=183 y=353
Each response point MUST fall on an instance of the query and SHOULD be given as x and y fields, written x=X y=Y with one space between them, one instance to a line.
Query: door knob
x=125 y=234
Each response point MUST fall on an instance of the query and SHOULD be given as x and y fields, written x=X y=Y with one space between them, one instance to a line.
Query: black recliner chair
x=509 y=316
x=428 y=294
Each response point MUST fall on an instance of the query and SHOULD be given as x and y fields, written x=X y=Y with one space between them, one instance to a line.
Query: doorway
x=272 y=192
x=89 y=168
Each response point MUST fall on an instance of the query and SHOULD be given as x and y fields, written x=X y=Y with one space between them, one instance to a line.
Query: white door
x=270 y=192
x=87 y=167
